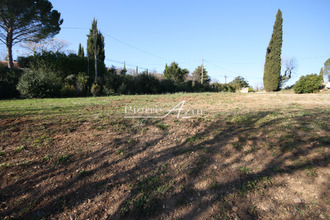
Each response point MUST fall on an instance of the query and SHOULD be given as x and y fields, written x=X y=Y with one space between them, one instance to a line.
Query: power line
x=136 y=48
x=129 y=65
x=120 y=41
x=220 y=67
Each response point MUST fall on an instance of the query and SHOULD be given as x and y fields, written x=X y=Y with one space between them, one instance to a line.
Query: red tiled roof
x=5 y=63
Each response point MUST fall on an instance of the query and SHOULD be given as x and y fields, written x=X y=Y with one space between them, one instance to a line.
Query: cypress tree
x=81 y=51
x=272 y=70
x=99 y=43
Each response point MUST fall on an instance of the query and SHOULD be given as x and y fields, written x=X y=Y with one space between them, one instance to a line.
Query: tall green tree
x=175 y=73
x=81 y=52
x=99 y=42
x=239 y=82
x=272 y=70
x=326 y=68
x=197 y=74
x=28 y=20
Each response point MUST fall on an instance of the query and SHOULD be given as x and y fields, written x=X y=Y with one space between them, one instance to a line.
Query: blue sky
x=231 y=36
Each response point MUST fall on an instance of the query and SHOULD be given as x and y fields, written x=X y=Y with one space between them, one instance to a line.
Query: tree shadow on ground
x=165 y=178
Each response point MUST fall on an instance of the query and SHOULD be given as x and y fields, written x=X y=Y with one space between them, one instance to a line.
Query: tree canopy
x=100 y=55
x=326 y=68
x=272 y=70
x=239 y=82
x=28 y=20
x=81 y=51
x=175 y=73
x=197 y=74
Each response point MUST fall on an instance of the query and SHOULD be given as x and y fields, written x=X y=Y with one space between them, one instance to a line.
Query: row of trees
x=60 y=75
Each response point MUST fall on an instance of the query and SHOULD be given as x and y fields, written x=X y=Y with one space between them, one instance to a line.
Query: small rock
x=235 y=208
x=297 y=200
x=72 y=217
x=322 y=216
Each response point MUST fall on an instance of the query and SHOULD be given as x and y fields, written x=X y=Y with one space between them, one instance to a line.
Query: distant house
x=16 y=65
x=327 y=85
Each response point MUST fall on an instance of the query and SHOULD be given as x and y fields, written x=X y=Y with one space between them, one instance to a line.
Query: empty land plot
x=237 y=155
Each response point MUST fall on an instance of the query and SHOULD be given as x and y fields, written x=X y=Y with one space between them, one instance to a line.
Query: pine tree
x=99 y=43
x=197 y=74
x=272 y=70
x=175 y=73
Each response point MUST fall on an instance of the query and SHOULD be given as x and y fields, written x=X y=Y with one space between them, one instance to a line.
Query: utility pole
x=124 y=66
x=202 y=71
x=225 y=79
x=95 y=57
x=88 y=63
x=137 y=70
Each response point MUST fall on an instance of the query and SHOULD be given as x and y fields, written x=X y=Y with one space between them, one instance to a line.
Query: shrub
x=39 y=83
x=96 y=90
x=8 y=82
x=68 y=90
x=81 y=83
x=251 y=89
x=308 y=84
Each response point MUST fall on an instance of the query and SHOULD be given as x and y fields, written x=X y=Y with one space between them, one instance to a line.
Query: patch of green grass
x=237 y=146
x=311 y=172
x=25 y=163
x=64 y=158
x=146 y=191
x=121 y=152
x=214 y=185
x=20 y=148
x=163 y=127
x=194 y=138
x=252 y=149
x=132 y=141
x=3 y=153
x=46 y=157
x=257 y=183
x=6 y=165
x=245 y=170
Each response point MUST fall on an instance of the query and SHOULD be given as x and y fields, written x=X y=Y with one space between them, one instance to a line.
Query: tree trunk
x=9 y=42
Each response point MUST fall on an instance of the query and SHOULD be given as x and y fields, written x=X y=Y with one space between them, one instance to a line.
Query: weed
x=311 y=172
x=25 y=163
x=3 y=153
x=64 y=158
x=245 y=170
x=121 y=152
x=132 y=141
x=46 y=157
x=180 y=201
x=237 y=146
x=146 y=191
x=214 y=185
x=163 y=127
x=194 y=138
x=253 y=148
x=6 y=165
x=20 y=148
x=276 y=169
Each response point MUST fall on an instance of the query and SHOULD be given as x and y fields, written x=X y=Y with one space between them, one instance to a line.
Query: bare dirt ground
x=247 y=156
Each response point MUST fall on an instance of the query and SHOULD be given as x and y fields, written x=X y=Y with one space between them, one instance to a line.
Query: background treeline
x=52 y=74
